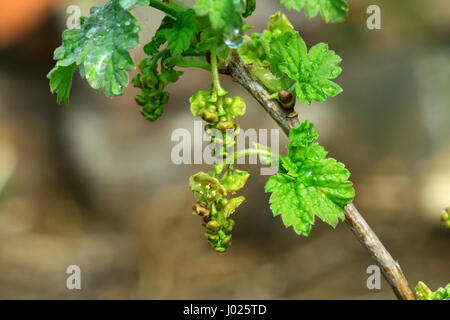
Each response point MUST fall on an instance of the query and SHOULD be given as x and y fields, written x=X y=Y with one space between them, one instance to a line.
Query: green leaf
x=100 y=48
x=181 y=33
x=330 y=10
x=256 y=48
x=61 y=81
x=284 y=202
x=159 y=38
x=256 y=51
x=130 y=4
x=310 y=72
x=309 y=184
x=224 y=15
x=293 y=4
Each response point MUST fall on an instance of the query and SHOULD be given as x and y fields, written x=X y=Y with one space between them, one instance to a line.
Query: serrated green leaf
x=330 y=10
x=100 y=48
x=284 y=202
x=224 y=15
x=310 y=71
x=61 y=81
x=256 y=51
x=181 y=33
x=130 y=4
x=159 y=38
x=309 y=184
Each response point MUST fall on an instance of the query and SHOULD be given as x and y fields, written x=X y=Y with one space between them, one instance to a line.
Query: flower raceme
x=308 y=184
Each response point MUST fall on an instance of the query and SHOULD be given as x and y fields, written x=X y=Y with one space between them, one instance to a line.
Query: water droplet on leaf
x=235 y=39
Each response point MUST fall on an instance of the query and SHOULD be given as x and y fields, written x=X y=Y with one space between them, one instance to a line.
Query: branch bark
x=288 y=119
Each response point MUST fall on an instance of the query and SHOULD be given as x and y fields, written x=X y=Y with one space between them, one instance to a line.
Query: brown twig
x=288 y=119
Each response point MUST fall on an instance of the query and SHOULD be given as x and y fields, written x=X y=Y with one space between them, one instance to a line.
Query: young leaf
x=310 y=72
x=256 y=51
x=284 y=202
x=130 y=4
x=330 y=10
x=223 y=14
x=100 y=48
x=61 y=81
x=309 y=184
x=181 y=33
x=159 y=38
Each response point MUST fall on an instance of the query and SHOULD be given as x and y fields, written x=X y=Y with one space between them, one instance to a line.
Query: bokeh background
x=93 y=185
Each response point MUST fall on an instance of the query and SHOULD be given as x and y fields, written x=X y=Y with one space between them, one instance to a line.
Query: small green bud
x=227 y=241
x=229 y=226
x=208 y=116
x=213 y=226
x=238 y=107
x=225 y=125
x=140 y=100
x=212 y=108
x=165 y=97
x=228 y=101
x=221 y=249
x=145 y=63
x=149 y=80
x=212 y=237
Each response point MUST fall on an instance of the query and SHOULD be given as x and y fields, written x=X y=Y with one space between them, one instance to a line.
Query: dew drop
x=235 y=39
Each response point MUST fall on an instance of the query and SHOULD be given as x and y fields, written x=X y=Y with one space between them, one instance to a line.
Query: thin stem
x=288 y=120
x=189 y=62
x=258 y=151
x=218 y=90
x=390 y=268
x=171 y=8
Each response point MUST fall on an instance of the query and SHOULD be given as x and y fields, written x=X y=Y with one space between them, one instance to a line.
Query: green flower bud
x=140 y=100
x=212 y=108
x=213 y=226
x=238 y=107
x=137 y=81
x=212 y=237
x=199 y=101
x=149 y=79
x=228 y=101
x=145 y=63
x=208 y=116
x=227 y=241
x=225 y=125
x=200 y=210
x=165 y=97
x=221 y=250
x=230 y=225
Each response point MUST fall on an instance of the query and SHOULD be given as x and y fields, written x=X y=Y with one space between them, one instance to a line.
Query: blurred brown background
x=93 y=185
